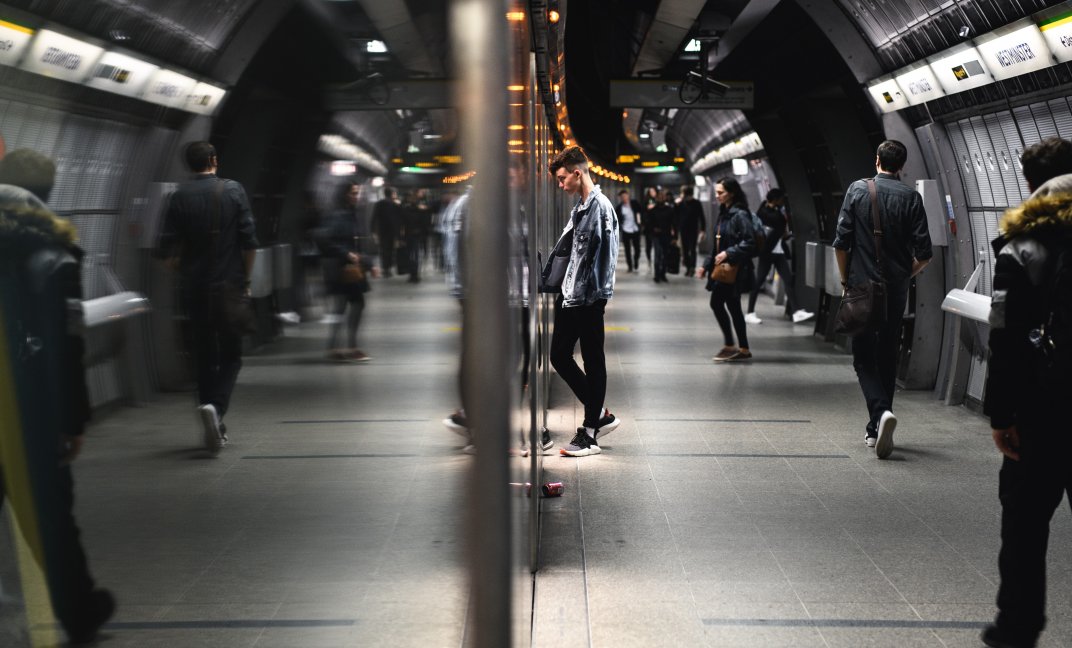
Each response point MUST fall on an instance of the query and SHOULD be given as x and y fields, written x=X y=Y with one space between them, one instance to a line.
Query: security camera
x=964 y=31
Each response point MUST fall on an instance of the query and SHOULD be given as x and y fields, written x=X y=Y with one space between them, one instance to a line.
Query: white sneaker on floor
x=752 y=318
x=869 y=441
x=801 y=316
x=210 y=421
x=887 y=423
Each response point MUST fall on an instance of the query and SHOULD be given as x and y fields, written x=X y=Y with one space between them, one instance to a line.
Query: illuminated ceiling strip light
x=339 y=147
x=739 y=148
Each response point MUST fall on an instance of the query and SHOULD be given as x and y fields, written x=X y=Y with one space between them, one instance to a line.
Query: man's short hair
x=199 y=156
x=1048 y=159
x=686 y=191
x=623 y=191
x=571 y=157
x=389 y=193
x=30 y=170
x=775 y=194
x=892 y=155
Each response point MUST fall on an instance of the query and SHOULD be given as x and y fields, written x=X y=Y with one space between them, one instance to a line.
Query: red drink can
x=553 y=489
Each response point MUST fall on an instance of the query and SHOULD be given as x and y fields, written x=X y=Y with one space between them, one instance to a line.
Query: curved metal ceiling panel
x=189 y=33
x=698 y=131
x=907 y=31
x=377 y=131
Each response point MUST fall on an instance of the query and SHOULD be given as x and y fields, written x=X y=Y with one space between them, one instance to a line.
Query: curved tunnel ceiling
x=905 y=32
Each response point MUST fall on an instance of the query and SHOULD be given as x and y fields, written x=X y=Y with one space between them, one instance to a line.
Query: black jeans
x=661 y=246
x=631 y=241
x=874 y=356
x=1030 y=491
x=649 y=243
x=387 y=252
x=726 y=304
x=782 y=265
x=47 y=507
x=688 y=252
x=584 y=324
x=356 y=301
x=217 y=356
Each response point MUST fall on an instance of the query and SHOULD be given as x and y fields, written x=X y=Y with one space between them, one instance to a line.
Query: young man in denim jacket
x=586 y=287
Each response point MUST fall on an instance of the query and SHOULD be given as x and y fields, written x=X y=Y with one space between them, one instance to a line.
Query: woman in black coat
x=343 y=242
x=734 y=243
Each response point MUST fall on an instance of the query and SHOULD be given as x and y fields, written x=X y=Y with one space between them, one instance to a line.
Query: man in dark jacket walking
x=209 y=226
x=44 y=404
x=386 y=222
x=691 y=225
x=906 y=250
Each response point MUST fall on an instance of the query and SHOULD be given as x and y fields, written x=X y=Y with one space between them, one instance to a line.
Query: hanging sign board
x=1016 y=50
x=13 y=41
x=960 y=70
x=169 y=89
x=919 y=85
x=121 y=74
x=887 y=96
x=1058 y=34
x=61 y=57
x=204 y=99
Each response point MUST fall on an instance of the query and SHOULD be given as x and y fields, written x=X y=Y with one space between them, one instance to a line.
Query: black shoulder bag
x=554 y=271
x=863 y=306
x=231 y=306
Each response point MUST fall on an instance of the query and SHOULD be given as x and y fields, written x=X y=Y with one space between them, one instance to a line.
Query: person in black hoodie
x=663 y=232
x=775 y=253
x=691 y=225
x=41 y=348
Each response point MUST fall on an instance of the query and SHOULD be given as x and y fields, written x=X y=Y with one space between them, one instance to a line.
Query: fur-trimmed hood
x=1049 y=208
x=26 y=224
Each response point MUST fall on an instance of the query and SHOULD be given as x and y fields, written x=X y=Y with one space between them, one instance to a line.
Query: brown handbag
x=724 y=272
x=353 y=273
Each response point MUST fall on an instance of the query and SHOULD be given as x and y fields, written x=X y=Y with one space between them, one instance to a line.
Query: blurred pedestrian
x=42 y=347
x=344 y=243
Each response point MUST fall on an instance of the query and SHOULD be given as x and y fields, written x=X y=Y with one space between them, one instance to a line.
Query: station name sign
x=59 y=56
x=1024 y=46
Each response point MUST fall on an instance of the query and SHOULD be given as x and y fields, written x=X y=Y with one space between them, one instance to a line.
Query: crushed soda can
x=552 y=489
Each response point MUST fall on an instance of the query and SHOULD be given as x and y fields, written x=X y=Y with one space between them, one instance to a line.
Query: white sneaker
x=799 y=316
x=752 y=318
x=210 y=421
x=869 y=441
x=887 y=423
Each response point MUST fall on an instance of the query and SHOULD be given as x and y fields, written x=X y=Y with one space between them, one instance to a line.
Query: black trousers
x=661 y=246
x=1030 y=491
x=583 y=324
x=649 y=243
x=631 y=241
x=874 y=356
x=688 y=252
x=217 y=356
x=782 y=265
x=356 y=301
x=387 y=252
x=726 y=304
x=47 y=507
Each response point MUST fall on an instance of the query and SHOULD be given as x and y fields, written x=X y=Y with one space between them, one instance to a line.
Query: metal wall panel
x=977 y=378
x=971 y=131
x=32 y=127
x=1044 y=120
x=1062 y=116
x=92 y=157
x=1026 y=121
x=964 y=164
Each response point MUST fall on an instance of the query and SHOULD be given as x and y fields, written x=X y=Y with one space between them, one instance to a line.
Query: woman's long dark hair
x=731 y=185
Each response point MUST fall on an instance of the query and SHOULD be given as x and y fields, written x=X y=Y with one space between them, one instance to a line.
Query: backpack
x=1053 y=338
x=760 y=233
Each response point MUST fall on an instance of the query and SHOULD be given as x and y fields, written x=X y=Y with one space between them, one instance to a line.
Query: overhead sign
x=61 y=57
x=1058 y=34
x=168 y=88
x=13 y=41
x=1015 y=50
x=660 y=93
x=919 y=85
x=121 y=74
x=887 y=96
x=204 y=99
x=960 y=70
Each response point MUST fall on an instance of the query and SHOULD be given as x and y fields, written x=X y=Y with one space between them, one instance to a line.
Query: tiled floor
x=738 y=506
x=735 y=506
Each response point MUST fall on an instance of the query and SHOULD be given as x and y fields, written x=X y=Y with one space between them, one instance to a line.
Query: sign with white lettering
x=121 y=74
x=888 y=96
x=961 y=69
x=61 y=57
x=13 y=41
x=1058 y=34
x=169 y=89
x=1019 y=50
x=919 y=85
x=204 y=99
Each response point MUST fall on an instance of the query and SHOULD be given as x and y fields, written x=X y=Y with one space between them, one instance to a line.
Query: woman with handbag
x=729 y=269
x=343 y=241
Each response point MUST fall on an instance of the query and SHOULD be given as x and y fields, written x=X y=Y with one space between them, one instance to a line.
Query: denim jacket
x=590 y=273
